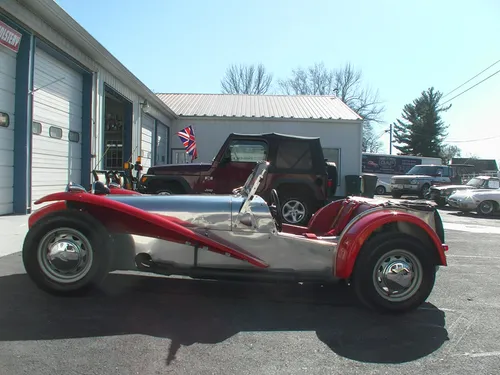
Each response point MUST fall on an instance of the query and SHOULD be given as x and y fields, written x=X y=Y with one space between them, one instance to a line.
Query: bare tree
x=246 y=79
x=347 y=84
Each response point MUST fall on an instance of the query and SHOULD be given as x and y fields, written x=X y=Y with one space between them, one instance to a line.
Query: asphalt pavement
x=153 y=325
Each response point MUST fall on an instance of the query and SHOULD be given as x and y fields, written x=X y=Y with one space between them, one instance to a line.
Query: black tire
x=486 y=208
x=364 y=282
x=424 y=191
x=302 y=204
x=169 y=189
x=441 y=202
x=74 y=222
x=380 y=190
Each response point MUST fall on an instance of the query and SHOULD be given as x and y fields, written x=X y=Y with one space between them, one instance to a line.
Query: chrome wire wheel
x=293 y=211
x=65 y=255
x=397 y=275
x=486 y=207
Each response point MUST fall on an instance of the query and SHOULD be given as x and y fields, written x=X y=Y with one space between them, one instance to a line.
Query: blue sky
x=402 y=47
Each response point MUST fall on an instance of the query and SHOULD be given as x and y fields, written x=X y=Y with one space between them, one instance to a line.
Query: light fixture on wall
x=145 y=106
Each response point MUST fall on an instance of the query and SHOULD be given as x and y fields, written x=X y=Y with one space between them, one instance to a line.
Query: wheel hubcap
x=293 y=211
x=65 y=255
x=486 y=207
x=397 y=275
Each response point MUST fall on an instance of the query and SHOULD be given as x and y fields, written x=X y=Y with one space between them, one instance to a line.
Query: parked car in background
x=440 y=194
x=484 y=202
x=418 y=180
x=382 y=187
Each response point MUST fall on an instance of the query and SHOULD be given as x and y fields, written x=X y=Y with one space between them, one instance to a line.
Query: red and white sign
x=9 y=37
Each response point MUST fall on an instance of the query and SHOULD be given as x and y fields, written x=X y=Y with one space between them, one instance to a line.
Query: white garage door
x=161 y=144
x=57 y=126
x=147 y=131
x=7 y=103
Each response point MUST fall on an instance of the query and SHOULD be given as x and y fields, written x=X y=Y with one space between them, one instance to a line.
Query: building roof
x=259 y=106
x=480 y=165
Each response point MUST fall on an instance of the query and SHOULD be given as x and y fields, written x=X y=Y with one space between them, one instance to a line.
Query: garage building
x=62 y=111
x=214 y=116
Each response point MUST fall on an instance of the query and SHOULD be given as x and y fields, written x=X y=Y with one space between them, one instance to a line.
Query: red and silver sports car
x=388 y=252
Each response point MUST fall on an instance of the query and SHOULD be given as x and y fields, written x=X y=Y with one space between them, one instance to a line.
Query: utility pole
x=390 y=139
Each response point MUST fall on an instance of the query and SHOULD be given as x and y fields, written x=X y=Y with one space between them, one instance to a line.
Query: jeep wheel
x=394 y=273
x=295 y=211
x=168 y=189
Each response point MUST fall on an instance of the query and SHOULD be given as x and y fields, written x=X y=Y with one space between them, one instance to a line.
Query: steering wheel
x=275 y=208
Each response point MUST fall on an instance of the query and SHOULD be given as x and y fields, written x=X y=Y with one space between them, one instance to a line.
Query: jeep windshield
x=425 y=170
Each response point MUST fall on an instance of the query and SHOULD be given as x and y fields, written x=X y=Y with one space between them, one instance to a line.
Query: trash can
x=352 y=185
x=369 y=185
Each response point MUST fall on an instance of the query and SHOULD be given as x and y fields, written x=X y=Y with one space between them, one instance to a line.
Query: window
x=333 y=155
x=4 y=120
x=248 y=151
x=493 y=184
x=294 y=155
x=36 y=128
x=55 y=132
x=74 y=136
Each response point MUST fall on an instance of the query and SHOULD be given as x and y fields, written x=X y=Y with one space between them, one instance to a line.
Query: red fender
x=129 y=219
x=352 y=240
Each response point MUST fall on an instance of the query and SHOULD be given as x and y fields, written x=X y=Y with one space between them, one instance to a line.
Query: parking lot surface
x=155 y=325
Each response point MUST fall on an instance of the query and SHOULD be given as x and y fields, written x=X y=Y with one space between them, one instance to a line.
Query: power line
x=463 y=84
x=474 y=140
x=470 y=88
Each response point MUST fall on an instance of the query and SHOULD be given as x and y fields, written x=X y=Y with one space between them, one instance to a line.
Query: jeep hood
x=179 y=169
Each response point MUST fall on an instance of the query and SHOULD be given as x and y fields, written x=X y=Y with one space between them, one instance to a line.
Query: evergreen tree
x=421 y=131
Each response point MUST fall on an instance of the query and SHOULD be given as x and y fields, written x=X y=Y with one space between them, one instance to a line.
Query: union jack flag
x=189 y=142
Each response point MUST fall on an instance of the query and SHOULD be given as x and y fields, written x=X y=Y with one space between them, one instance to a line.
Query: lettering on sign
x=9 y=37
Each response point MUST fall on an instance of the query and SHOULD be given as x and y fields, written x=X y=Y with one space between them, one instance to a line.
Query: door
x=161 y=144
x=7 y=105
x=147 y=135
x=56 y=127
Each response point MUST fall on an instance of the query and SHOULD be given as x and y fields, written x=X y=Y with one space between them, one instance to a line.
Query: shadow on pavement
x=189 y=312
x=494 y=216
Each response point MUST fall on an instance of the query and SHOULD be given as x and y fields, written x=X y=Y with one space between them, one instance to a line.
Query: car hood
x=477 y=193
x=197 y=210
x=179 y=169
x=453 y=187
x=411 y=176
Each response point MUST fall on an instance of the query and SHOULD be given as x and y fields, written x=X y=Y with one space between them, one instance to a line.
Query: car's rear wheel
x=486 y=208
x=67 y=254
x=394 y=273
x=380 y=190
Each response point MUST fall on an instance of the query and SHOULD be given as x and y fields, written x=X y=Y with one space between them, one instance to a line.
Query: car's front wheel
x=66 y=254
x=394 y=273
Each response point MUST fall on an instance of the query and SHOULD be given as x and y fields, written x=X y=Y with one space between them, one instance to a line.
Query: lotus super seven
x=387 y=252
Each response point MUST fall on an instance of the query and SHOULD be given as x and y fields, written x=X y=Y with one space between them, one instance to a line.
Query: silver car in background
x=485 y=202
